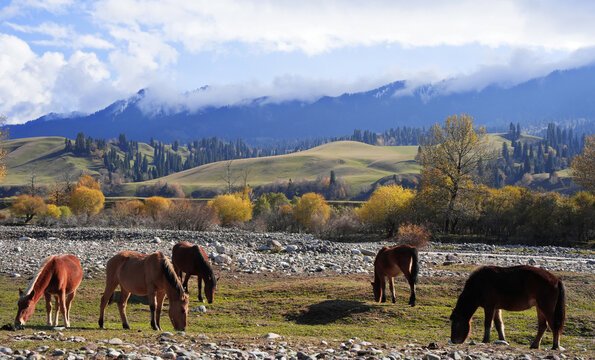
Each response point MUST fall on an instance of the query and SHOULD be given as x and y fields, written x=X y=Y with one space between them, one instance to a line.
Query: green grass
x=307 y=309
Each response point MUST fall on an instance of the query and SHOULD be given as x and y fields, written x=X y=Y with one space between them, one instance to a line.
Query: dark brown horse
x=59 y=276
x=389 y=263
x=193 y=260
x=515 y=288
x=143 y=274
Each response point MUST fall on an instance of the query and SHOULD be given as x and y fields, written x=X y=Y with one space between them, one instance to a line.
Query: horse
x=515 y=288
x=145 y=274
x=59 y=276
x=389 y=263
x=193 y=260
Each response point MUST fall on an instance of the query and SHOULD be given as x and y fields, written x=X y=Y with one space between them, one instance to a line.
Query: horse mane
x=170 y=275
x=33 y=281
x=205 y=267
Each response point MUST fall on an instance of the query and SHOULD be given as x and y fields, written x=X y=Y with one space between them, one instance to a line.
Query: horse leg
x=62 y=304
x=541 y=327
x=105 y=299
x=499 y=325
x=69 y=299
x=159 y=298
x=407 y=273
x=153 y=308
x=391 y=286
x=200 y=289
x=489 y=312
x=185 y=283
x=56 y=308
x=122 y=302
x=48 y=308
x=383 y=288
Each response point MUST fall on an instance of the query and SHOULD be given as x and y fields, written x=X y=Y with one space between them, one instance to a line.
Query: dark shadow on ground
x=133 y=299
x=328 y=312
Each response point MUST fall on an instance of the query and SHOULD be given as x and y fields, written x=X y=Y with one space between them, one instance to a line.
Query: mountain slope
x=563 y=96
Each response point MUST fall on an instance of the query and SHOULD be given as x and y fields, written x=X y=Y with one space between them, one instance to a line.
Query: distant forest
x=125 y=160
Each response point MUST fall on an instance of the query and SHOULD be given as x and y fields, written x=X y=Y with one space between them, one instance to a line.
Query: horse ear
x=20 y=292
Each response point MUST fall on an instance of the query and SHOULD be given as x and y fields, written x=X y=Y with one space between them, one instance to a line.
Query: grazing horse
x=389 y=263
x=515 y=288
x=145 y=274
x=192 y=260
x=60 y=276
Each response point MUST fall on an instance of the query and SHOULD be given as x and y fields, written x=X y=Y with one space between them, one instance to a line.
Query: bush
x=155 y=205
x=269 y=202
x=343 y=225
x=414 y=235
x=86 y=200
x=162 y=189
x=311 y=211
x=86 y=180
x=28 y=207
x=130 y=208
x=387 y=208
x=64 y=211
x=232 y=208
x=52 y=211
x=183 y=215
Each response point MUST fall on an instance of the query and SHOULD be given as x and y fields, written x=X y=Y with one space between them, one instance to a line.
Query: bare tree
x=228 y=177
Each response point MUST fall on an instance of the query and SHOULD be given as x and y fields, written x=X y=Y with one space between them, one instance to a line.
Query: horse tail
x=560 y=310
x=414 y=266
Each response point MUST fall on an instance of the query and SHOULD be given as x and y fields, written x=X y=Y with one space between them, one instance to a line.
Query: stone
x=156 y=240
x=113 y=353
x=274 y=245
x=291 y=248
x=532 y=262
x=15 y=275
x=5 y=350
x=115 y=341
x=220 y=249
x=501 y=342
x=430 y=356
x=58 y=352
x=223 y=259
x=367 y=252
x=271 y=336
x=355 y=252
x=26 y=238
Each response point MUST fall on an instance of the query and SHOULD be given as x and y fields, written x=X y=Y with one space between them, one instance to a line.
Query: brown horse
x=389 y=263
x=60 y=276
x=193 y=260
x=515 y=288
x=145 y=274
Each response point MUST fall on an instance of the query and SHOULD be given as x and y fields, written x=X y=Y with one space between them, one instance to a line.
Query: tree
x=87 y=180
x=583 y=165
x=232 y=208
x=387 y=208
x=28 y=206
x=452 y=152
x=311 y=209
x=156 y=205
x=86 y=200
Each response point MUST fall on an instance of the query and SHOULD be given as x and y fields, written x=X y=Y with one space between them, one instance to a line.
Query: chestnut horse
x=193 y=260
x=145 y=274
x=515 y=288
x=60 y=276
x=389 y=263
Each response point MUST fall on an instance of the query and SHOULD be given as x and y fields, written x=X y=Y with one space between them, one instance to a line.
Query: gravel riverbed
x=234 y=251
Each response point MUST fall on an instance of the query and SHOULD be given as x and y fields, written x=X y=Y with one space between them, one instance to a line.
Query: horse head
x=459 y=328
x=26 y=308
x=178 y=312
x=210 y=287
x=377 y=290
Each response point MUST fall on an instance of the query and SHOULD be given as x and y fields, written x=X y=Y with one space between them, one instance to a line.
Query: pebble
x=115 y=341
x=271 y=336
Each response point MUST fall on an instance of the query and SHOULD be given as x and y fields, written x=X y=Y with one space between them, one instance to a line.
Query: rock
x=242 y=260
x=26 y=238
x=274 y=245
x=501 y=342
x=113 y=353
x=88 y=347
x=532 y=262
x=455 y=356
x=202 y=309
x=5 y=350
x=53 y=238
x=431 y=357
x=156 y=240
x=58 y=328
x=58 y=352
x=17 y=249
x=223 y=259
x=271 y=336
x=367 y=252
x=355 y=252
x=320 y=268
x=432 y=346
x=264 y=248
x=115 y=341
x=452 y=257
x=220 y=249
x=15 y=275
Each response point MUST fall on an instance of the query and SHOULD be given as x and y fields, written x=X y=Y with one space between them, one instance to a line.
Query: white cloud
x=63 y=36
x=17 y=7
x=313 y=26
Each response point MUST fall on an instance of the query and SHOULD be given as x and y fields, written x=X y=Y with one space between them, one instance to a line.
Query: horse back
x=392 y=261
x=514 y=288
x=67 y=274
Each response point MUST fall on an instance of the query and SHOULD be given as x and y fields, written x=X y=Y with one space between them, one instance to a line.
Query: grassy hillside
x=44 y=157
x=357 y=163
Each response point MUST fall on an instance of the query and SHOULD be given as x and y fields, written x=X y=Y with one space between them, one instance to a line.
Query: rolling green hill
x=357 y=163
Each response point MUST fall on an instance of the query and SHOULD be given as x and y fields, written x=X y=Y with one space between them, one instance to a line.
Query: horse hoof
x=126 y=326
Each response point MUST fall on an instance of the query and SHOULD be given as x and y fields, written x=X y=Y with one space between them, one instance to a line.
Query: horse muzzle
x=19 y=324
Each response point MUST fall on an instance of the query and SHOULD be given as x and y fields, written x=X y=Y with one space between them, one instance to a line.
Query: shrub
x=414 y=235
x=155 y=205
x=344 y=224
x=64 y=211
x=311 y=210
x=52 y=211
x=232 y=208
x=28 y=207
x=183 y=215
x=86 y=200
x=387 y=208
x=269 y=202
x=129 y=208
x=86 y=180
x=162 y=189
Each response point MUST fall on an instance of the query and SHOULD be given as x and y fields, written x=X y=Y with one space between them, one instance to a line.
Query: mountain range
x=565 y=97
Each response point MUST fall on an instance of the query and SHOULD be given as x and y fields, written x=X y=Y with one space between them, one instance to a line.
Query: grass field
x=306 y=309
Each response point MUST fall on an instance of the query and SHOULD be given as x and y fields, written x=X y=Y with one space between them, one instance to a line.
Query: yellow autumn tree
x=129 y=208
x=156 y=205
x=311 y=209
x=28 y=207
x=232 y=208
x=52 y=211
x=387 y=208
x=85 y=200
x=583 y=166
x=87 y=180
x=452 y=152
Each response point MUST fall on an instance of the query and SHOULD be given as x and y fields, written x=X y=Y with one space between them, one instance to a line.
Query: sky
x=65 y=55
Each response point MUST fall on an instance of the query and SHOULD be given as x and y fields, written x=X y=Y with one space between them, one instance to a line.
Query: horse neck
x=173 y=286
x=40 y=282
x=466 y=304
x=203 y=264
